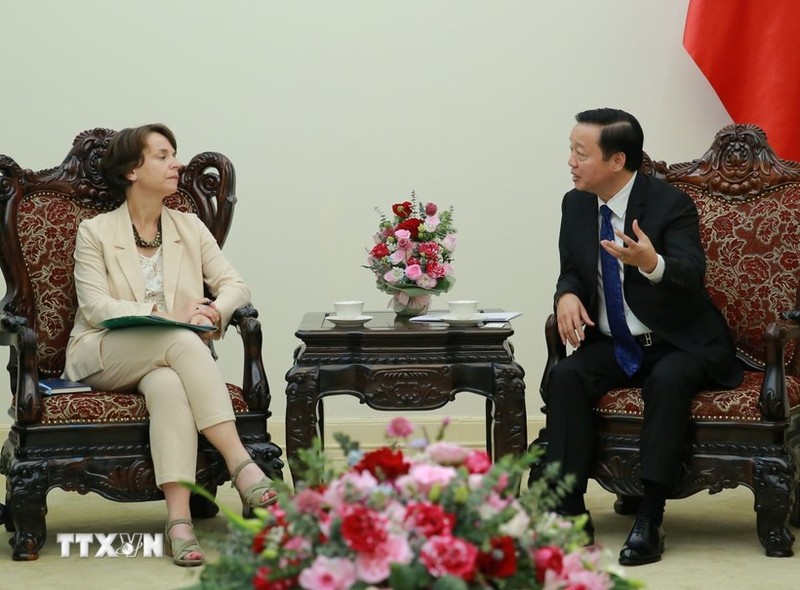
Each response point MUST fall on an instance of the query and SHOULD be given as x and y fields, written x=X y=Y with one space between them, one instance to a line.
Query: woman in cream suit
x=146 y=259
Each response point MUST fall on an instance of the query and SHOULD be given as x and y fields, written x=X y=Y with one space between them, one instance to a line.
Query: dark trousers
x=668 y=378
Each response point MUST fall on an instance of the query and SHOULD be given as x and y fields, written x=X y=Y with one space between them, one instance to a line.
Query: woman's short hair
x=126 y=152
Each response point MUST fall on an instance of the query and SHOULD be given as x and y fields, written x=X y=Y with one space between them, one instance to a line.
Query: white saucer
x=348 y=322
x=475 y=320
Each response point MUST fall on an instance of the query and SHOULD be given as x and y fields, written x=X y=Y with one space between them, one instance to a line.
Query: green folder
x=137 y=321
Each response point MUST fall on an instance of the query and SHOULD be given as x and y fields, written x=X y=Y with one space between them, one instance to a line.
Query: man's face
x=590 y=172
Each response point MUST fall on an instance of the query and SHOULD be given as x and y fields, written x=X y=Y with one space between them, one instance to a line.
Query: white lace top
x=153 y=271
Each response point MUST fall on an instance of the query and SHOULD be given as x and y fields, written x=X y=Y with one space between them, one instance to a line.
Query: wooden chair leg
x=773 y=482
x=26 y=495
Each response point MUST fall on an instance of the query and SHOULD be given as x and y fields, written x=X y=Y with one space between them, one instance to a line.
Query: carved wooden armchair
x=749 y=207
x=98 y=441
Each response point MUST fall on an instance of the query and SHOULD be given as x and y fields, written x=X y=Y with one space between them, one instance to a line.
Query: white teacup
x=348 y=310
x=463 y=309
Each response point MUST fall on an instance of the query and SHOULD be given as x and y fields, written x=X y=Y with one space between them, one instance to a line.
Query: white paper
x=495 y=316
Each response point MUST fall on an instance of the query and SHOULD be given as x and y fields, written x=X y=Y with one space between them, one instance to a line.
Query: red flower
x=548 y=558
x=478 y=461
x=443 y=556
x=435 y=270
x=430 y=209
x=412 y=225
x=261 y=581
x=379 y=251
x=429 y=249
x=384 y=464
x=402 y=210
x=430 y=519
x=501 y=560
x=363 y=529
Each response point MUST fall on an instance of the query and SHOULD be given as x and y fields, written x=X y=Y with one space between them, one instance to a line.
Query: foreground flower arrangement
x=440 y=518
x=412 y=253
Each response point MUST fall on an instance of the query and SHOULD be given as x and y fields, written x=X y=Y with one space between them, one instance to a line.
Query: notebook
x=58 y=385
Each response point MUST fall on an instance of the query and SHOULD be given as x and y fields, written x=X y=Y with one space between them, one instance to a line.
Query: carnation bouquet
x=421 y=515
x=412 y=254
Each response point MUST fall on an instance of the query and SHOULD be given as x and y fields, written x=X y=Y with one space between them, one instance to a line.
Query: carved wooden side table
x=391 y=364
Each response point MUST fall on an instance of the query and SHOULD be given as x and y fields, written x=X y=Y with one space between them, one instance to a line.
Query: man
x=631 y=300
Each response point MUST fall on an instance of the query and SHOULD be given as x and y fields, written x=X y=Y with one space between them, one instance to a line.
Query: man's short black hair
x=620 y=132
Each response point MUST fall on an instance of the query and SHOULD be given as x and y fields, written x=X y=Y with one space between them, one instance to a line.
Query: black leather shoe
x=645 y=543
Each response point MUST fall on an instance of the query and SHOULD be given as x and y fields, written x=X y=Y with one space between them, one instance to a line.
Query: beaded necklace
x=154 y=243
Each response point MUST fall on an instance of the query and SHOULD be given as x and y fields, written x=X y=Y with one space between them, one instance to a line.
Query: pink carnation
x=399 y=427
x=375 y=567
x=435 y=270
x=426 y=282
x=449 y=556
x=328 y=573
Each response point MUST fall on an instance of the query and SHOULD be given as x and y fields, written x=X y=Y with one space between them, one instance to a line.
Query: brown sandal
x=252 y=497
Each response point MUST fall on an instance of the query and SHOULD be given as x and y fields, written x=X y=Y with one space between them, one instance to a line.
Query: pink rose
x=413 y=272
x=426 y=282
x=399 y=427
x=398 y=256
x=423 y=477
x=449 y=242
x=327 y=573
x=449 y=556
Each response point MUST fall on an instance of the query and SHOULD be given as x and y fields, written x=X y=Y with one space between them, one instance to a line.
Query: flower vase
x=408 y=307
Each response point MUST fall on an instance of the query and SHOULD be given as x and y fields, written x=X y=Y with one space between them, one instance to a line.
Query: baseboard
x=370 y=433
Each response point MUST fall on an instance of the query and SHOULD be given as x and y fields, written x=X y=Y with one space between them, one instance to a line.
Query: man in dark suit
x=631 y=300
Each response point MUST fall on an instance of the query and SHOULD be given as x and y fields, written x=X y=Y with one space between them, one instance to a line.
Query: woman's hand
x=205 y=313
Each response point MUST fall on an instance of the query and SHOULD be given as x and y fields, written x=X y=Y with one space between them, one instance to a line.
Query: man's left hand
x=637 y=252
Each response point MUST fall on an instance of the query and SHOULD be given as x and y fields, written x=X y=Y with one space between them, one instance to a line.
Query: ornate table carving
x=392 y=364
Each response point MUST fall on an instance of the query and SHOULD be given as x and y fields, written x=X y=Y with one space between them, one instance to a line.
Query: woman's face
x=158 y=173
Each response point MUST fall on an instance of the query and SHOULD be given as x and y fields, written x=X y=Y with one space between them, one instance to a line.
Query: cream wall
x=330 y=108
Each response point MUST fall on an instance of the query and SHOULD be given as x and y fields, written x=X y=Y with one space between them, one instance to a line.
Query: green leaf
x=450 y=583
x=408 y=577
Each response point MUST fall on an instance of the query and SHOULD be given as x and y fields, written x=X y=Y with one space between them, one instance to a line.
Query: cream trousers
x=182 y=386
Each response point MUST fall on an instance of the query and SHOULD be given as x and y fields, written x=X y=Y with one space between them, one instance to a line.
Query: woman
x=145 y=259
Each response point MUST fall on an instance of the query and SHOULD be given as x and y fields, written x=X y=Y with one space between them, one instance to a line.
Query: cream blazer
x=110 y=284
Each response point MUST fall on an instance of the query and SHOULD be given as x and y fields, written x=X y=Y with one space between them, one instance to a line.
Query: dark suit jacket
x=678 y=308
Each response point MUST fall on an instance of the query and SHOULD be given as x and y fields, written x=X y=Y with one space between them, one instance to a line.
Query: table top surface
x=388 y=321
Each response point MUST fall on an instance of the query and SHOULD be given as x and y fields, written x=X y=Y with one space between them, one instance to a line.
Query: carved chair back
x=41 y=212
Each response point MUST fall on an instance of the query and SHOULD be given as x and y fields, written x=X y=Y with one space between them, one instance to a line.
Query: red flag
x=750 y=52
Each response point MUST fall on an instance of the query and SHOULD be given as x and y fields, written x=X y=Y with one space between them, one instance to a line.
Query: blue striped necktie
x=628 y=353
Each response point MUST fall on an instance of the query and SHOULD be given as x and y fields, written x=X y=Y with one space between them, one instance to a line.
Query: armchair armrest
x=23 y=367
x=556 y=351
x=773 y=400
x=254 y=378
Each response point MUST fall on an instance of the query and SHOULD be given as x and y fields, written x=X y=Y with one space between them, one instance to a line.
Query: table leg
x=302 y=396
x=510 y=416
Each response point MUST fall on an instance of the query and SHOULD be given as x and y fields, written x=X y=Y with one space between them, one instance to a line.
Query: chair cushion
x=106 y=407
x=740 y=404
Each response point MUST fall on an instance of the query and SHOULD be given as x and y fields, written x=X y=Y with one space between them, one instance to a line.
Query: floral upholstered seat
x=748 y=202
x=96 y=441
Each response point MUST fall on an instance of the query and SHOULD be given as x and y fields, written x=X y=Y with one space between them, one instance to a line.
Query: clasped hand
x=204 y=313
